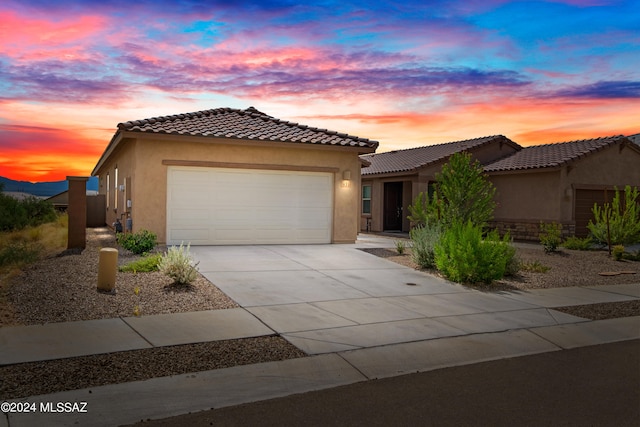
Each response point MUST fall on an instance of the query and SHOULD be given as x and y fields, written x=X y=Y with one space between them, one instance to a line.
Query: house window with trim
x=108 y=195
x=115 y=188
x=366 y=199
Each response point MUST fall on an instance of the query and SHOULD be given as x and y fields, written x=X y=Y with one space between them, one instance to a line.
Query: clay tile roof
x=243 y=124
x=551 y=155
x=414 y=158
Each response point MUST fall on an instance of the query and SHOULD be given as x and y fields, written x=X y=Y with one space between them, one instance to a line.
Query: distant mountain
x=45 y=189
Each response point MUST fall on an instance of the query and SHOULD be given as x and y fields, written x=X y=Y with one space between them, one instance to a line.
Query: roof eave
x=113 y=144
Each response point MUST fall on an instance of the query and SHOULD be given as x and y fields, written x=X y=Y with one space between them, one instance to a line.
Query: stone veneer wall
x=522 y=230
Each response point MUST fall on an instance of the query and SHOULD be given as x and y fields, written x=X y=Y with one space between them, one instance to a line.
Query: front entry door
x=393 y=214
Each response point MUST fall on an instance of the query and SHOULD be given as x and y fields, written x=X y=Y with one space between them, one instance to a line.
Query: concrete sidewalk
x=360 y=316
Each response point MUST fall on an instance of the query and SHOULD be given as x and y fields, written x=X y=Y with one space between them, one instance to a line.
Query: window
x=115 y=187
x=108 y=190
x=366 y=199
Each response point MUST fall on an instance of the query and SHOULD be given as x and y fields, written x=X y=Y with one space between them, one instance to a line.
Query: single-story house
x=551 y=183
x=60 y=201
x=231 y=176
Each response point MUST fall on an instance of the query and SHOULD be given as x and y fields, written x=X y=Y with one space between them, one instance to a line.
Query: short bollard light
x=107 y=269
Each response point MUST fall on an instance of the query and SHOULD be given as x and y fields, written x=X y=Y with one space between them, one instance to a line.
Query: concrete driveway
x=332 y=298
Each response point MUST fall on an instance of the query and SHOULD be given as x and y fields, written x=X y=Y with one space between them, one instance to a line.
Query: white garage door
x=219 y=206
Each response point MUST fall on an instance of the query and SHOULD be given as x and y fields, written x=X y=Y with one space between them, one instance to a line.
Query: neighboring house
x=229 y=176
x=552 y=182
x=393 y=179
x=60 y=201
x=95 y=206
x=561 y=182
x=635 y=138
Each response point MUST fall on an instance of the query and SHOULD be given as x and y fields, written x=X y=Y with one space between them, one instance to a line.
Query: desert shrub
x=423 y=211
x=576 y=243
x=17 y=214
x=623 y=218
x=512 y=266
x=401 y=246
x=617 y=252
x=463 y=192
x=19 y=253
x=534 y=267
x=462 y=255
x=550 y=236
x=177 y=264
x=138 y=243
x=424 y=239
x=143 y=265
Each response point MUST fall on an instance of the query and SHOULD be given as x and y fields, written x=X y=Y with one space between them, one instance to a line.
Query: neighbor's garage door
x=585 y=199
x=219 y=206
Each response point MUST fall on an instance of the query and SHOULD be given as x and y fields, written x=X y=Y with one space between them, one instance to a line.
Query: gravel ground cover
x=63 y=288
x=31 y=379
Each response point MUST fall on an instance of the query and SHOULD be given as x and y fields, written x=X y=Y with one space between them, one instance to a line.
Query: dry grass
x=21 y=248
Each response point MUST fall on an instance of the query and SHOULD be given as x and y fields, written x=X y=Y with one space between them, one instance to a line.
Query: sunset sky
x=407 y=73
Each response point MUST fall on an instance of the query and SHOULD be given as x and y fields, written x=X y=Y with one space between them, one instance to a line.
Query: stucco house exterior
x=231 y=176
x=557 y=182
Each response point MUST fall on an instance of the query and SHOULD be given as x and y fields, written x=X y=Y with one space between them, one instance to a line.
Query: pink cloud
x=26 y=38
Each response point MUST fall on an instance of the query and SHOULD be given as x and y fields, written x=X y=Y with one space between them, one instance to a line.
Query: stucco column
x=77 y=231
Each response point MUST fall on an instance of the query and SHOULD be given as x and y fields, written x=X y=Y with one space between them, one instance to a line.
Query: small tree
x=616 y=223
x=463 y=192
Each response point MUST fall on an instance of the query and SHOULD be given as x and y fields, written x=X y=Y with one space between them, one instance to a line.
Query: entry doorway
x=393 y=210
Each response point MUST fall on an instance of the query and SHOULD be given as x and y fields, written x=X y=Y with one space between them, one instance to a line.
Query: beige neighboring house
x=393 y=179
x=228 y=176
x=552 y=182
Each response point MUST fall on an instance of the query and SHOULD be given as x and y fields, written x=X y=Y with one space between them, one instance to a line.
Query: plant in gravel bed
x=138 y=243
x=424 y=239
x=578 y=244
x=617 y=252
x=462 y=255
x=143 y=265
x=534 y=267
x=177 y=264
x=401 y=245
x=550 y=237
x=617 y=222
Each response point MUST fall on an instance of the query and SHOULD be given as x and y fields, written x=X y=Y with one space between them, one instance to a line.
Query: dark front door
x=392 y=220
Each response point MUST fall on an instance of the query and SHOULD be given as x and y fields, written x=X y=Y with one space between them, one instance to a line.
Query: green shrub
x=401 y=245
x=534 y=267
x=550 y=236
x=463 y=192
x=178 y=265
x=422 y=211
x=143 y=265
x=19 y=253
x=576 y=243
x=463 y=256
x=17 y=214
x=138 y=243
x=623 y=219
x=424 y=239
x=617 y=252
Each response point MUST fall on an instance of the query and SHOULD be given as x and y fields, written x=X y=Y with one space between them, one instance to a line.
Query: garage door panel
x=193 y=235
x=239 y=206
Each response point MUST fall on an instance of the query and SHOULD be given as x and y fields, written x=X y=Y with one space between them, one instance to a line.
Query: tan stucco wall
x=549 y=195
x=142 y=160
x=527 y=196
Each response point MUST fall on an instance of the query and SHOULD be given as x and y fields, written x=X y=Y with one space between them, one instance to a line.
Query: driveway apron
x=331 y=298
